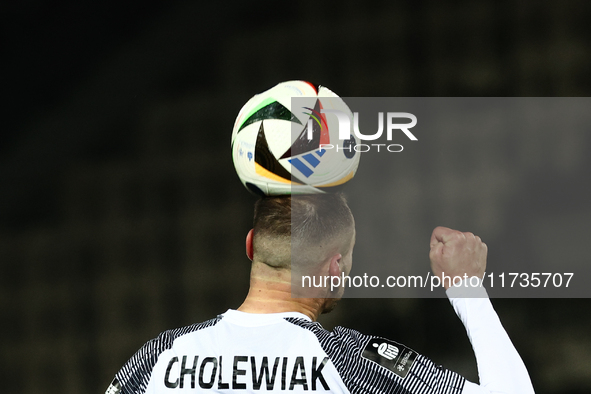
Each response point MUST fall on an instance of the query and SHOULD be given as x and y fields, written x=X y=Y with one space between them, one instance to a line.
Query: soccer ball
x=283 y=144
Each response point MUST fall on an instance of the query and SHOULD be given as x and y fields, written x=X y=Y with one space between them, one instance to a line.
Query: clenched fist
x=454 y=253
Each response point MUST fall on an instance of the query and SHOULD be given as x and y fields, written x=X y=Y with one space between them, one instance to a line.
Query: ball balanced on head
x=284 y=143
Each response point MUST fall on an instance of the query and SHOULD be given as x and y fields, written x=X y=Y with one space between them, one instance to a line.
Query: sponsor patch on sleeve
x=391 y=355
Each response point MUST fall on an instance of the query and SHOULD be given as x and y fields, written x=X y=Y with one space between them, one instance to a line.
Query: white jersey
x=251 y=353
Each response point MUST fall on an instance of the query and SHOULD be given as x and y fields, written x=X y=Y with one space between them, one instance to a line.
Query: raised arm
x=500 y=368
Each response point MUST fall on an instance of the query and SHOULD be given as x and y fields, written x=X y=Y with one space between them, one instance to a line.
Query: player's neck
x=270 y=292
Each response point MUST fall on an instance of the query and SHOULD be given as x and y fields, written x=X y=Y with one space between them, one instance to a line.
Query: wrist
x=468 y=287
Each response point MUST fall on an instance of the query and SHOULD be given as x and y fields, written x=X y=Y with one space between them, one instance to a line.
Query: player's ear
x=334 y=267
x=249 y=247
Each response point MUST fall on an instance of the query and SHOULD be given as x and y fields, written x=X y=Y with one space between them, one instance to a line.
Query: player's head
x=301 y=232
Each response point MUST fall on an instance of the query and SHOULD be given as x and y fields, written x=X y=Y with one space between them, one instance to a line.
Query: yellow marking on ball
x=340 y=181
x=268 y=174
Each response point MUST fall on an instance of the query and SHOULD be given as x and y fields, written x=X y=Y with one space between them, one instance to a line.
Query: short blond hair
x=290 y=229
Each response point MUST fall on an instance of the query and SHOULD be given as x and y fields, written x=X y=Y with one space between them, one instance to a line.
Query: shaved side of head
x=301 y=231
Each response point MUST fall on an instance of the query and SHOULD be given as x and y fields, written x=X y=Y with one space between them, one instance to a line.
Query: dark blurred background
x=120 y=212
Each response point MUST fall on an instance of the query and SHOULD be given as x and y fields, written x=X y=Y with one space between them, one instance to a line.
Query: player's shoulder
x=135 y=374
x=166 y=338
x=341 y=337
x=350 y=349
x=369 y=363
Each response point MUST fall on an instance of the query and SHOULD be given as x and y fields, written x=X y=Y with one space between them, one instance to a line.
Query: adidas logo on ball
x=278 y=149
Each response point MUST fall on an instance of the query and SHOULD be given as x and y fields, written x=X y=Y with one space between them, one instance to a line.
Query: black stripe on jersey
x=135 y=374
x=345 y=346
